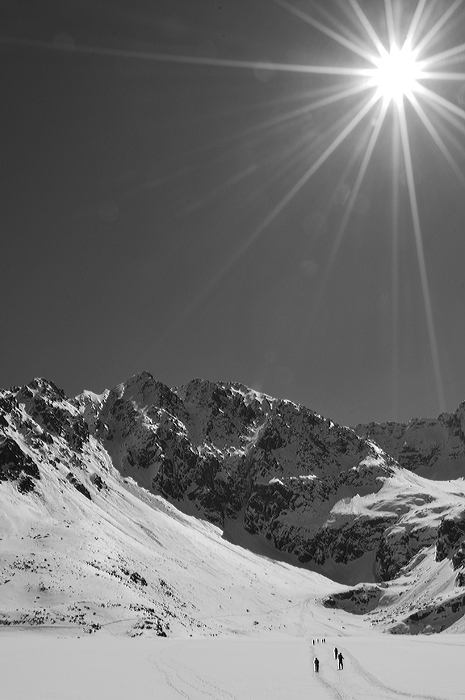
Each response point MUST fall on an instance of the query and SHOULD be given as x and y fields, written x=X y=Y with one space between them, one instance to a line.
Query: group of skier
x=337 y=656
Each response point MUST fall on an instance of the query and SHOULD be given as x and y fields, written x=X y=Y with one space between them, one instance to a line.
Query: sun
x=388 y=78
x=396 y=73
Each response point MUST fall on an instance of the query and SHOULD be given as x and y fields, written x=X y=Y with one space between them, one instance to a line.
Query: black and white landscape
x=213 y=512
x=263 y=191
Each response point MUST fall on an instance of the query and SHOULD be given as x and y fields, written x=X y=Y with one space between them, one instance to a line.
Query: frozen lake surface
x=38 y=665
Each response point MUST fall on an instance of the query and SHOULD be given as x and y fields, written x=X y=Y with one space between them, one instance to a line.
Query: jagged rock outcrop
x=232 y=453
x=312 y=491
x=450 y=542
x=14 y=462
x=451 y=538
x=358 y=601
x=37 y=423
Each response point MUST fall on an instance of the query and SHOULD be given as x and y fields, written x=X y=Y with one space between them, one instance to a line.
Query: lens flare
x=396 y=73
x=385 y=79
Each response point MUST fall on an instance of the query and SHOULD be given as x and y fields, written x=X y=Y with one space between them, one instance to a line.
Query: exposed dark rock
x=432 y=618
x=451 y=539
x=358 y=601
x=25 y=484
x=398 y=546
x=78 y=485
x=14 y=462
x=98 y=482
x=137 y=578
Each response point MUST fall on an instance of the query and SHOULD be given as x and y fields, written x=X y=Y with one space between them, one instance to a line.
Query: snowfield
x=40 y=666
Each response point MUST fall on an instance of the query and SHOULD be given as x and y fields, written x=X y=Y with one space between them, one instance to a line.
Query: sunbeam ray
x=343 y=28
x=360 y=176
x=390 y=23
x=332 y=94
x=410 y=38
x=384 y=106
x=434 y=97
x=188 y=60
x=443 y=56
x=444 y=76
x=451 y=119
x=285 y=119
x=300 y=111
x=377 y=43
x=395 y=267
x=325 y=30
x=432 y=131
x=421 y=257
x=343 y=134
x=266 y=222
x=286 y=156
x=436 y=27
x=264 y=147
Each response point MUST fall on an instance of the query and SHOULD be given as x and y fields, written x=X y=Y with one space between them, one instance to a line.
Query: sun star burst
x=391 y=81
x=396 y=73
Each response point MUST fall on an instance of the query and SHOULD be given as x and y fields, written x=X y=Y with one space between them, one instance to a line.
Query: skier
x=316 y=665
x=335 y=652
x=340 y=659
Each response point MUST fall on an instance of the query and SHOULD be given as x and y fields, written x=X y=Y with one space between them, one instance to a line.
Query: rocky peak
x=233 y=454
x=267 y=471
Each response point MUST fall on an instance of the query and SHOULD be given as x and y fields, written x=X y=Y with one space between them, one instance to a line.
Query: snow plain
x=40 y=666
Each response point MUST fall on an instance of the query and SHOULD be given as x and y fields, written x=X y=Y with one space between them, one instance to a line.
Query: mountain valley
x=214 y=509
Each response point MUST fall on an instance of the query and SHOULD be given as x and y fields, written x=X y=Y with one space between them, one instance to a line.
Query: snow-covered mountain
x=431 y=447
x=126 y=490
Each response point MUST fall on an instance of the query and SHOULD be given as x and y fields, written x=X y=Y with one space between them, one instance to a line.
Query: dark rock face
x=25 y=484
x=357 y=601
x=32 y=418
x=398 y=546
x=250 y=464
x=234 y=454
x=49 y=407
x=98 y=482
x=347 y=543
x=450 y=540
x=78 y=485
x=433 y=618
x=14 y=462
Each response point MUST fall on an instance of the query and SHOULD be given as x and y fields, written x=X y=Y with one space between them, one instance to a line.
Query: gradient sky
x=147 y=221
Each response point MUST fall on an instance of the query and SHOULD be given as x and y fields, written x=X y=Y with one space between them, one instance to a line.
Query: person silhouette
x=316 y=665
x=340 y=660
x=335 y=652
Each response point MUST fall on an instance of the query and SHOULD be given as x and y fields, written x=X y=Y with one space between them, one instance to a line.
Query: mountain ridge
x=271 y=475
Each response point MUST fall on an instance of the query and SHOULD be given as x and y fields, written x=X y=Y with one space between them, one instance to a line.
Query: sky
x=177 y=199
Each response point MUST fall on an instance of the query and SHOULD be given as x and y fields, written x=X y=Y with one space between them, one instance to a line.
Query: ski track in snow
x=354 y=681
x=304 y=612
x=184 y=681
x=379 y=686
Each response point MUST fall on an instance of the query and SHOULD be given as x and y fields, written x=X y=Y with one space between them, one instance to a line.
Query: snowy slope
x=152 y=511
x=110 y=555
